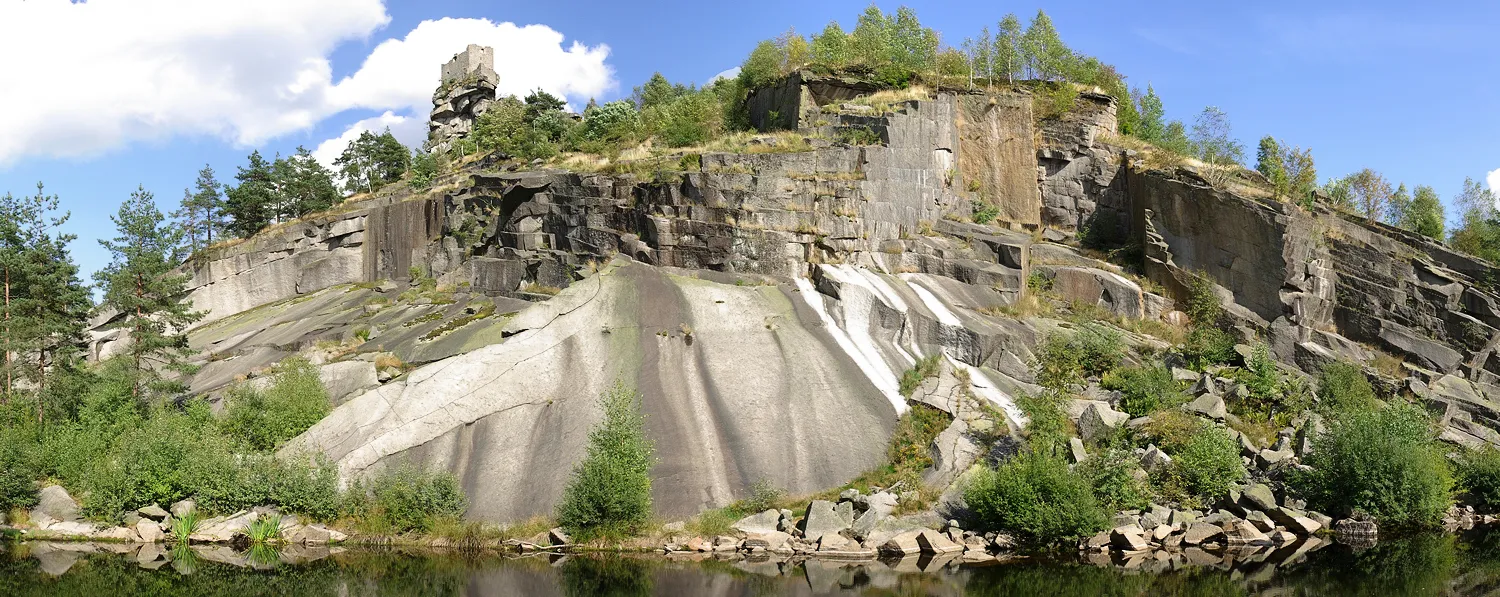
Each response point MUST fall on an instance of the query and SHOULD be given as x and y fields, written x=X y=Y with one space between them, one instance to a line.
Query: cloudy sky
x=99 y=97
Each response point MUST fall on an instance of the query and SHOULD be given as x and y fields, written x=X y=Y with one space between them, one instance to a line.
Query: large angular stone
x=184 y=507
x=903 y=544
x=1129 y=538
x=1098 y=420
x=1201 y=532
x=154 y=512
x=821 y=519
x=765 y=522
x=1258 y=497
x=149 y=531
x=55 y=503
x=770 y=540
x=1208 y=405
x=933 y=542
x=1295 y=521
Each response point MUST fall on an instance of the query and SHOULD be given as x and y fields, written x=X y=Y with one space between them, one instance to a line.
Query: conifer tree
x=141 y=285
x=372 y=161
x=250 y=204
x=207 y=197
x=312 y=188
x=45 y=306
x=191 y=220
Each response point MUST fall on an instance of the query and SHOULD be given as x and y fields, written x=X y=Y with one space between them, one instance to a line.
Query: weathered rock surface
x=53 y=502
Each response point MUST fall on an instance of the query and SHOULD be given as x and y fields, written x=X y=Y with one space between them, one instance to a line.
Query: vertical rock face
x=467 y=90
x=997 y=154
x=1082 y=180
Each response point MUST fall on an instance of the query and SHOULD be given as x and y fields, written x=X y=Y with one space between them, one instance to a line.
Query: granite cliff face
x=765 y=303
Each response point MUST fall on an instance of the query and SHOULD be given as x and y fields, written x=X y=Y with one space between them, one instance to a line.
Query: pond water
x=1417 y=565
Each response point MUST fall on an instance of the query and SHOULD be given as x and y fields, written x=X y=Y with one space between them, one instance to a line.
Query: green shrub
x=1208 y=343
x=1343 y=388
x=167 y=457
x=859 y=135
x=184 y=526
x=1272 y=397
x=1036 y=497
x=1100 y=348
x=1207 y=346
x=1047 y=431
x=1207 y=464
x=265 y=529
x=1112 y=475
x=405 y=498
x=923 y=369
x=1065 y=359
x=1479 y=476
x=424 y=168
x=1170 y=429
x=909 y=452
x=265 y=419
x=1144 y=390
x=18 y=470
x=296 y=487
x=763 y=496
x=610 y=493
x=985 y=212
x=1386 y=463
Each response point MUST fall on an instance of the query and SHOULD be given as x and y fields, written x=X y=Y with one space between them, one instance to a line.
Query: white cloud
x=84 y=78
x=410 y=131
x=726 y=74
x=1493 y=179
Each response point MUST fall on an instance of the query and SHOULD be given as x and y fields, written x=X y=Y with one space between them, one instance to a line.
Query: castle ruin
x=466 y=91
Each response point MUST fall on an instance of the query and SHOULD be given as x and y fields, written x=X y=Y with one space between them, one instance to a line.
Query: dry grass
x=883 y=101
x=526 y=529
x=387 y=360
x=1387 y=364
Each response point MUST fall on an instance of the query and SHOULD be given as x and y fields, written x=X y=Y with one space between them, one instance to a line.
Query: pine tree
x=1008 y=56
x=311 y=188
x=45 y=305
x=372 y=161
x=210 y=203
x=141 y=285
x=250 y=205
x=190 y=218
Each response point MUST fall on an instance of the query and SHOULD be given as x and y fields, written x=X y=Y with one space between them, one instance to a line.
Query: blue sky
x=1406 y=90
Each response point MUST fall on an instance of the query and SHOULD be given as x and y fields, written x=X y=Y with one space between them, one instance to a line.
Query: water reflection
x=1419 y=565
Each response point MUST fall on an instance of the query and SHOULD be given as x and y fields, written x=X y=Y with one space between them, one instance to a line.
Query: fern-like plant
x=184 y=526
x=265 y=529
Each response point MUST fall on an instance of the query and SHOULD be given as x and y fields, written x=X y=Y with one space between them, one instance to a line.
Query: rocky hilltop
x=767 y=300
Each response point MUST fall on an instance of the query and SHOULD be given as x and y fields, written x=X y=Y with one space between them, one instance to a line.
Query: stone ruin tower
x=466 y=91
